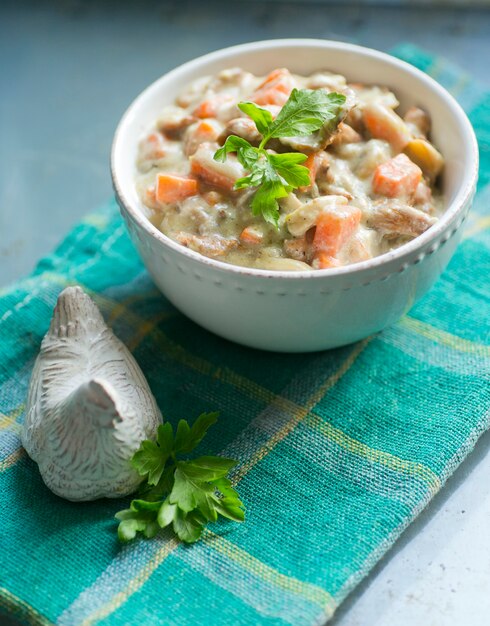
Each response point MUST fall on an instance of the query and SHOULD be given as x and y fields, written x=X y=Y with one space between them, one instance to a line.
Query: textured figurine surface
x=89 y=405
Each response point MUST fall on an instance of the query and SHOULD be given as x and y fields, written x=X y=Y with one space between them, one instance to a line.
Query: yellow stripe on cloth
x=269 y=574
x=374 y=455
x=126 y=302
x=12 y=459
x=136 y=583
x=444 y=338
x=21 y=610
x=476 y=227
x=7 y=419
x=300 y=412
x=99 y=222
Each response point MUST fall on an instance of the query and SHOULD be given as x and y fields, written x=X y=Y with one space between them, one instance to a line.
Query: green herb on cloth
x=186 y=494
x=276 y=175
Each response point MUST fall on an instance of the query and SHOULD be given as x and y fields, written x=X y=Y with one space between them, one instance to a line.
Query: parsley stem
x=263 y=142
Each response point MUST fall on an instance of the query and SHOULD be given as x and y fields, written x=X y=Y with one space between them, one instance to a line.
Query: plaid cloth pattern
x=339 y=451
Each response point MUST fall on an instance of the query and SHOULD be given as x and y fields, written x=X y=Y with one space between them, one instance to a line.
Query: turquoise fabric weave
x=339 y=451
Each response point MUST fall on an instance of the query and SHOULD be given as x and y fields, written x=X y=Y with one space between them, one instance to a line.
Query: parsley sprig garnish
x=186 y=494
x=276 y=175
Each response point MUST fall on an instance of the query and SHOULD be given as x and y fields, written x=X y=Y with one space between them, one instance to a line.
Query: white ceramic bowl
x=310 y=310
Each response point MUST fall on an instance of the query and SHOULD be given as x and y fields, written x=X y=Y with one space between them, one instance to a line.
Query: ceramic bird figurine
x=89 y=405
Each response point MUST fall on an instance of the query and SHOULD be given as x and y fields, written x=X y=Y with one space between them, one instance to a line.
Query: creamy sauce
x=372 y=180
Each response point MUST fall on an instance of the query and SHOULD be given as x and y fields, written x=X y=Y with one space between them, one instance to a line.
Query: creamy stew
x=372 y=179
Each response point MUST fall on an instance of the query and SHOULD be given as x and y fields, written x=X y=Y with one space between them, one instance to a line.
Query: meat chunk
x=394 y=218
x=173 y=121
x=297 y=248
x=209 y=245
x=204 y=131
x=243 y=127
x=418 y=121
x=345 y=134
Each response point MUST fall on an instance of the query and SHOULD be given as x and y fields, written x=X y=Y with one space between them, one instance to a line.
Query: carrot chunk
x=275 y=89
x=314 y=161
x=173 y=188
x=211 y=172
x=251 y=236
x=211 y=176
x=334 y=228
x=397 y=177
x=322 y=261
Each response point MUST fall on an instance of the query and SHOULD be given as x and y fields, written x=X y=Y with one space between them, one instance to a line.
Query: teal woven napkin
x=339 y=451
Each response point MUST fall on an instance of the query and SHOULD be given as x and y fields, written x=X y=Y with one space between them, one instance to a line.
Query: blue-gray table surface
x=69 y=69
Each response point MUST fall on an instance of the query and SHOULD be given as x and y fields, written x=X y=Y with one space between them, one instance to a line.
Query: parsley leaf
x=306 y=111
x=262 y=117
x=150 y=459
x=289 y=168
x=276 y=175
x=265 y=199
x=247 y=155
x=198 y=431
x=185 y=494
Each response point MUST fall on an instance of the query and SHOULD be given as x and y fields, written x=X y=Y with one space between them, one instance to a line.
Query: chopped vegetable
x=275 y=89
x=313 y=163
x=397 y=178
x=423 y=153
x=207 y=169
x=284 y=265
x=383 y=123
x=173 y=188
x=323 y=261
x=334 y=227
x=251 y=235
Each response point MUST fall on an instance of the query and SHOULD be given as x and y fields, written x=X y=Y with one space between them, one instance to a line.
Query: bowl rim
x=459 y=203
